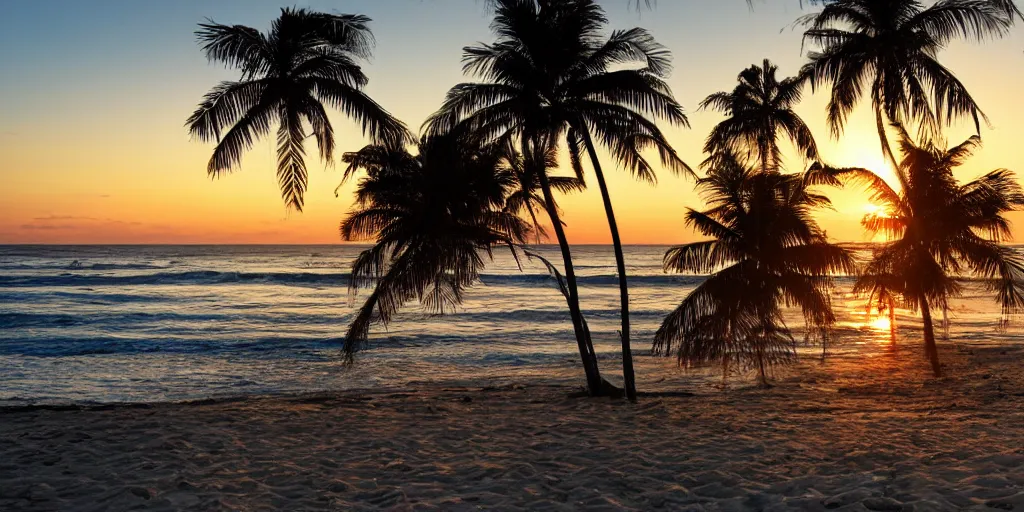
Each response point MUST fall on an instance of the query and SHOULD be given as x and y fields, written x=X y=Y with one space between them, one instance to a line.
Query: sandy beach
x=871 y=432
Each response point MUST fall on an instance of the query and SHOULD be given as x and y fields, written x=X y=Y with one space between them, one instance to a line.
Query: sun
x=880 y=323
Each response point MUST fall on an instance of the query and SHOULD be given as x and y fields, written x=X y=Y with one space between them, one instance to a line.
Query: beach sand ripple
x=870 y=433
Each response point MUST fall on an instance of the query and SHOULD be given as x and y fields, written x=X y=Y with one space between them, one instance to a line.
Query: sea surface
x=100 y=324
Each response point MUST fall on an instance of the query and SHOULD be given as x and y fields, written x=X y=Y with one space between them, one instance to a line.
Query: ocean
x=101 y=324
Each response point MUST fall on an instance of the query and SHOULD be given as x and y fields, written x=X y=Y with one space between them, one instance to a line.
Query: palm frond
x=291 y=164
x=224 y=106
x=432 y=216
x=306 y=59
x=236 y=46
x=374 y=120
x=254 y=125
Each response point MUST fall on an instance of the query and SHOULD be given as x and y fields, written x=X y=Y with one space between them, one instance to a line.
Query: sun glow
x=876 y=211
x=880 y=323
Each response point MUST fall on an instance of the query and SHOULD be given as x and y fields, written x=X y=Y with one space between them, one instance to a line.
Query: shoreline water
x=245 y=320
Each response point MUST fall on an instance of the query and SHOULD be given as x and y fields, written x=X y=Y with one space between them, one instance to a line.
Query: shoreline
x=659 y=376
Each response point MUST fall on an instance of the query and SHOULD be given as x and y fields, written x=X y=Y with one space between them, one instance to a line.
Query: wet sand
x=871 y=432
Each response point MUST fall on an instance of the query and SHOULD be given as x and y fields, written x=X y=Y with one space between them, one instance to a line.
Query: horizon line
x=366 y=244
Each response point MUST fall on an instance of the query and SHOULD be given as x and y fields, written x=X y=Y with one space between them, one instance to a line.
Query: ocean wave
x=122 y=266
x=196 y=277
x=598 y=280
x=168 y=322
x=76 y=265
x=22 y=320
x=209 y=277
x=255 y=346
x=534 y=316
x=230 y=319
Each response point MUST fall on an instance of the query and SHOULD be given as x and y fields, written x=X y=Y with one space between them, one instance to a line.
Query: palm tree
x=551 y=73
x=938 y=230
x=888 y=49
x=431 y=216
x=306 y=60
x=1008 y=6
x=765 y=251
x=532 y=170
x=760 y=109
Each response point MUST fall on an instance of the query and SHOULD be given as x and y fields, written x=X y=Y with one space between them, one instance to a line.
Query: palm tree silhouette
x=552 y=73
x=534 y=183
x=306 y=60
x=939 y=229
x=531 y=168
x=431 y=216
x=760 y=109
x=887 y=49
x=765 y=251
x=1007 y=6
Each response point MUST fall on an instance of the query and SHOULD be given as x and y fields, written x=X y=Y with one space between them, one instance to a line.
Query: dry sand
x=868 y=433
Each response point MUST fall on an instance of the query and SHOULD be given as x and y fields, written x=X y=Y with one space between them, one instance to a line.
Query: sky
x=94 y=96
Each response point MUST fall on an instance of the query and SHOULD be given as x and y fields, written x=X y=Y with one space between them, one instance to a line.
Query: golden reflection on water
x=875 y=327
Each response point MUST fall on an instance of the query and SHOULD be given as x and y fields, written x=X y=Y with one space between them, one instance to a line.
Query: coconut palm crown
x=305 y=61
x=553 y=73
x=531 y=170
x=433 y=218
x=764 y=252
x=887 y=50
x=938 y=230
x=760 y=110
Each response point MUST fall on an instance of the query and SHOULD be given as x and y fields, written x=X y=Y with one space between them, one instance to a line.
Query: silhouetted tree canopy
x=432 y=216
x=939 y=230
x=307 y=60
x=759 y=111
x=764 y=251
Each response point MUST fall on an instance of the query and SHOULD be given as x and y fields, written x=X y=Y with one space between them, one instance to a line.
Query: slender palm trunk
x=628 y=377
x=760 y=356
x=760 y=366
x=594 y=383
x=945 y=322
x=892 y=323
x=533 y=217
x=930 y=349
x=883 y=138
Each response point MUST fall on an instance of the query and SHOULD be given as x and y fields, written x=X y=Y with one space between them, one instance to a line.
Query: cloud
x=49 y=227
x=53 y=218
x=71 y=222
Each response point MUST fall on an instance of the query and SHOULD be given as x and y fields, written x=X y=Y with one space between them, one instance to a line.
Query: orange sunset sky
x=94 y=150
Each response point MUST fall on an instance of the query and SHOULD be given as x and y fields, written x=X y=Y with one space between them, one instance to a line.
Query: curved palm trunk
x=594 y=384
x=892 y=323
x=628 y=377
x=886 y=148
x=759 y=352
x=760 y=366
x=930 y=349
x=533 y=217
